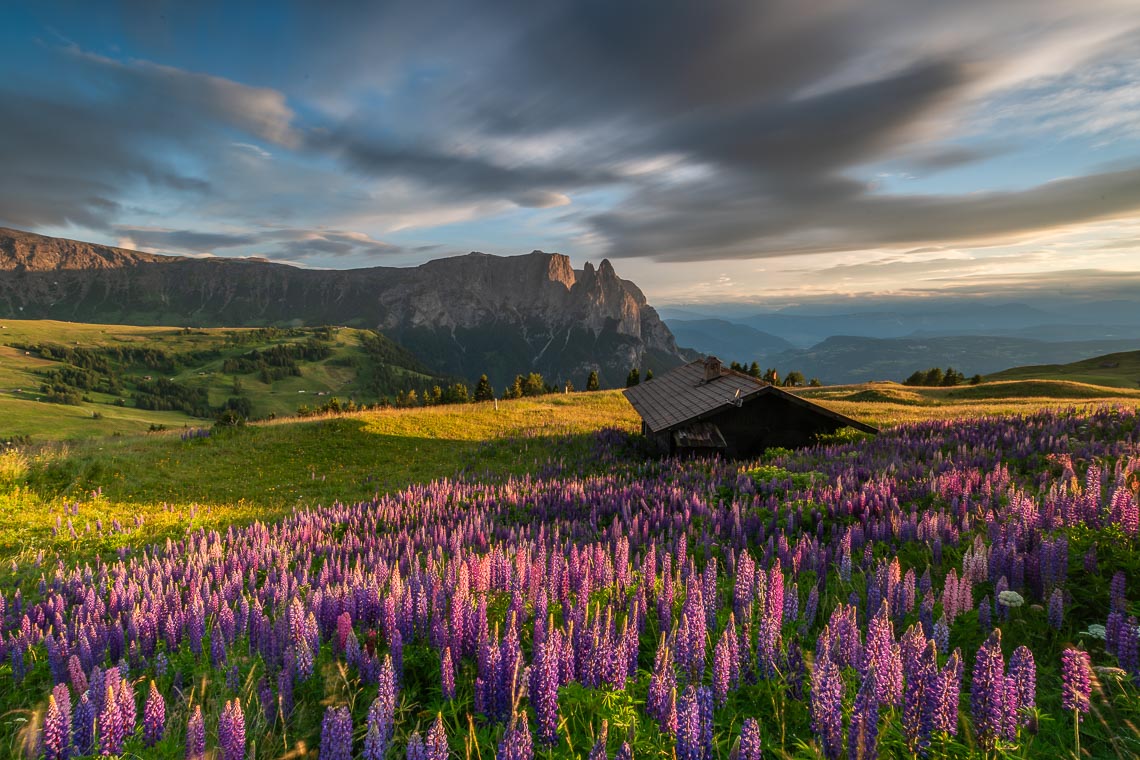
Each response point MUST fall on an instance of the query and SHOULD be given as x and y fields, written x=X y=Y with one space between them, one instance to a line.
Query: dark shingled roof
x=684 y=394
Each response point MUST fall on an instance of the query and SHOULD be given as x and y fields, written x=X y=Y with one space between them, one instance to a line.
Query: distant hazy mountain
x=462 y=316
x=727 y=340
x=845 y=359
x=1056 y=320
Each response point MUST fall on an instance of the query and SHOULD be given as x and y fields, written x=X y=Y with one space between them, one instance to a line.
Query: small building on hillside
x=705 y=408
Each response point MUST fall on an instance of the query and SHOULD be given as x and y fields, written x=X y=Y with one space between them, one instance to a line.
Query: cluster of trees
x=936 y=377
x=632 y=379
x=163 y=395
x=277 y=362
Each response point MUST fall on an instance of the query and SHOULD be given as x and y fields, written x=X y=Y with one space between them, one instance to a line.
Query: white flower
x=1010 y=599
x=1096 y=630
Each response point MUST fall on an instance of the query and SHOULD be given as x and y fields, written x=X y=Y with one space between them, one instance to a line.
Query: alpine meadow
x=570 y=381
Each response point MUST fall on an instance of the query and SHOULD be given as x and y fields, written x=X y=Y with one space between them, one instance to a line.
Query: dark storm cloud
x=465 y=175
x=767 y=111
x=744 y=220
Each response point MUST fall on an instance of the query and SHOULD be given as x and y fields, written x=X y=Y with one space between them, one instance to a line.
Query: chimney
x=712 y=369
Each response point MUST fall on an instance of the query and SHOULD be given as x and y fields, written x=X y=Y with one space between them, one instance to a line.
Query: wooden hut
x=704 y=408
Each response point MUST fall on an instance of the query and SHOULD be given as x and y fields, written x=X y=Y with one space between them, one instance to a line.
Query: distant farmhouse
x=704 y=408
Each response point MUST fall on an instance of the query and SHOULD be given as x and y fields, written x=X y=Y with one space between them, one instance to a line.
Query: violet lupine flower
x=83 y=726
x=379 y=731
x=985 y=614
x=827 y=705
x=416 y=749
x=625 y=752
x=544 y=690
x=1128 y=647
x=128 y=708
x=1057 y=609
x=598 y=751
x=987 y=692
x=196 y=735
x=336 y=734
x=447 y=674
x=231 y=731
x=750 y=747
x=57 y=727
x=1021 y=691
x=516 y=743
x=689 y=745
x=110 y=725
x=154 y=717
x=661 y=699
x=863 y=733
x=883 y=656
x=436 y=744
x=1076 y=686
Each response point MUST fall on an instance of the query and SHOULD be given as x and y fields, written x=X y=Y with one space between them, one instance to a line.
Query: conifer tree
x=592 y=381
x=484 y=391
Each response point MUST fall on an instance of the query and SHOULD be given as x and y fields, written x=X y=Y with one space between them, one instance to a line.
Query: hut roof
x=702 y=387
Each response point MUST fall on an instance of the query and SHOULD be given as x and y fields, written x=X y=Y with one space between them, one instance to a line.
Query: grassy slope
x=1115 y=370
x=264 y=471
x=891 y=403
x=22 y=414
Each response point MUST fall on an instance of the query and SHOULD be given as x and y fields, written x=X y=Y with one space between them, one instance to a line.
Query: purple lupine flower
x=883 y=655
x=1076 y=686
x=83 y=726
x=266 y=699
x=231 y=731
x=110 y=725
x=196 y=735
x=863 y=733
x=154 y=717
x=985 y=614
x=661 y=699
x=750 y=747
x=516 y=743
x=128 y=708
x=827 y=705
x=625 y=752
x=722 y=666
x=381 y=714
x=919 y=702
x=1056 y=608
x=336 y=734
x=447 y=674
x=544 y=689
x=436 y=744
x=57 y=726
x=1116 y=592
x=689 y=745
x=1021 y=691
x=285 y=692
x=1128 y=647
x=416 y=749
x=987 y=692
x=598 y=751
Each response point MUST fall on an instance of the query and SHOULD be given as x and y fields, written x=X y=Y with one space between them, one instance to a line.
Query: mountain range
x=463 y=316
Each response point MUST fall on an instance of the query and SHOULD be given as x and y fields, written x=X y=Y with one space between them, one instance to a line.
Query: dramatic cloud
x=662 y=131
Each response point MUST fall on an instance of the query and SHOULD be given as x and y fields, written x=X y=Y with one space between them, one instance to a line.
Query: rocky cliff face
x=464 y=315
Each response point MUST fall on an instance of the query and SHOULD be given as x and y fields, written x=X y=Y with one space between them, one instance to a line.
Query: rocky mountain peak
x=463 y=315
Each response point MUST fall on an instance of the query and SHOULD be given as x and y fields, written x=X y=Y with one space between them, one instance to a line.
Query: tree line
x=936 y=377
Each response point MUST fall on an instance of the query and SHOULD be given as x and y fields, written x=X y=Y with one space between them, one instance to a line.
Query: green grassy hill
x=121 y=379
x=1120 y=370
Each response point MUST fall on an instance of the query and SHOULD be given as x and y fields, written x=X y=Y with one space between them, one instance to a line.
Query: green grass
x=264 y=471
x=1120 y=370
x=22 y=413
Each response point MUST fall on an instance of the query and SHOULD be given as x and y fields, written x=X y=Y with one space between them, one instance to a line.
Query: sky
x=769 y=152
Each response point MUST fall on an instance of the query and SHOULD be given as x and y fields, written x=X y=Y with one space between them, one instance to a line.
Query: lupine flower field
x=947 y=589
